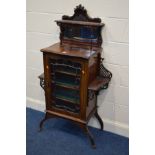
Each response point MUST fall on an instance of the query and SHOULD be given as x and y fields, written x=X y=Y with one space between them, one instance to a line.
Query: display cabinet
x=74 y=72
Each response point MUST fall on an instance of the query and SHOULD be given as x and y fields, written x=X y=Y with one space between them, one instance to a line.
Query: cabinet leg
x=99 y=119
x=86 y=130
x=42 y=122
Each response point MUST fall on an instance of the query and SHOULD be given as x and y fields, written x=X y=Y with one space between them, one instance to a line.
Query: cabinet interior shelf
x=68 y=99
x=66 y=85
x=68 y=73
x=63 y=105
x=66 y=108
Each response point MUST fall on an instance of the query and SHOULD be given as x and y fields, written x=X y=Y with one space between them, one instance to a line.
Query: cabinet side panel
x=93 y=71
x=84 y=89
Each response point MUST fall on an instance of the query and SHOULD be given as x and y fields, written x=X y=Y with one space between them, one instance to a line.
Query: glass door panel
x=65 y=82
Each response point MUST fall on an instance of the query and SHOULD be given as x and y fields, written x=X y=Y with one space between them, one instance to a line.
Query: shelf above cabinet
x=85 y=23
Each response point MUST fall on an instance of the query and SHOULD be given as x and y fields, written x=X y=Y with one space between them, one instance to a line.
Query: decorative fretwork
x=91 y=95
x=104 y=72
x=42 y=81
x=101 y=81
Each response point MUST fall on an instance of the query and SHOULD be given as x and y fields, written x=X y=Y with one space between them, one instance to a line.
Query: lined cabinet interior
x=65 y=80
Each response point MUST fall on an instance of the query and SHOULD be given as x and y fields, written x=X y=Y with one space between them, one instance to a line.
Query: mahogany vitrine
x=73 y=71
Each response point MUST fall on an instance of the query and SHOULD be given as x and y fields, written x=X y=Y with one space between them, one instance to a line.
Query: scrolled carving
x=80 y=9
x=42 y=80
x=91 y=95
x=80 y=14
x=42 y=83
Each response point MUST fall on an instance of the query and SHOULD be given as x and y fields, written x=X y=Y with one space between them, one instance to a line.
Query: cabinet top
x=85 y=53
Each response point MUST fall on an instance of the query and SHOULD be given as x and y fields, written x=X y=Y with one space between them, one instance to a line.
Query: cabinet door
x=64 y=79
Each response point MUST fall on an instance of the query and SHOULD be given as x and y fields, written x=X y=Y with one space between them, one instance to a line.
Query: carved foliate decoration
x=80 y=14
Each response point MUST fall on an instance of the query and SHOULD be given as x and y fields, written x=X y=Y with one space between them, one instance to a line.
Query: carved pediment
x=80 y=14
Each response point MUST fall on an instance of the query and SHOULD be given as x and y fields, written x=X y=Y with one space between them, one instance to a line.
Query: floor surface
x=61 y=137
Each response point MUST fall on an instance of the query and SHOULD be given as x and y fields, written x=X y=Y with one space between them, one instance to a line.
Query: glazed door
x=64 y=76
